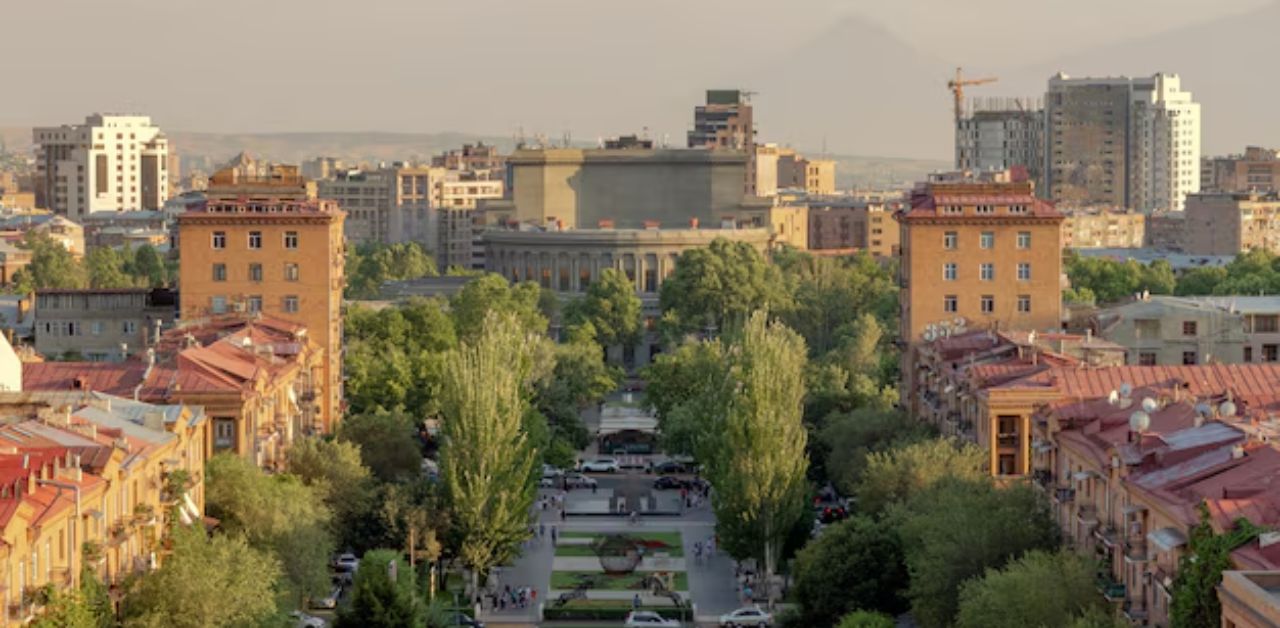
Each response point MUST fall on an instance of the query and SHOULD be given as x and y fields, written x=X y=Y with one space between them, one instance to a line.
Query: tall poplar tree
x=487 y=458
x=758 y=464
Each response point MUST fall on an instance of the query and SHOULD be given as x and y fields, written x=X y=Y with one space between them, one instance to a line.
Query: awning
x=1167 y=539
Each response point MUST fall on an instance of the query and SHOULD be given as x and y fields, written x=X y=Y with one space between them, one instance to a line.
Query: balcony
x=1135 y=551
x=1107 y=537
x=1087 y=514
x=1110 y=589
x=1136 y=611
x=1007 y=439
x=1064 y=495
x=1042 y=477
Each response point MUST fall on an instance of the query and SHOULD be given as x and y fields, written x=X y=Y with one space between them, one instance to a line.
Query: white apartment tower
x=1164 y=137
x=1131 y=142
x=109 y=163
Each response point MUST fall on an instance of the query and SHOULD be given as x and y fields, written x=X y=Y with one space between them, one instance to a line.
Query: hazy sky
x=592 y=67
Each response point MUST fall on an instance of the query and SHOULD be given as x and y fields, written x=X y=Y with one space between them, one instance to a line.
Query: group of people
x=540 y=532
x=705 y=549
x=550 y=502
x=520 y=597
x=696 y=493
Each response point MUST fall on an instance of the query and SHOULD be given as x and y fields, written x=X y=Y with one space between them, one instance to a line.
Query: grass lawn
x=569 y=579
x=674 y=546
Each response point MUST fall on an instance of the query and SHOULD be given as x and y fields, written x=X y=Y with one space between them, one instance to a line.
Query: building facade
x=1002 y=133
x=817 y=177
x=101 y=324
x=985 y=252
x=109 y=163
x=279 y=257
x=1165 y=330
x=569 y=261
x=1227 y=224
x=853 y=224
x=726 y=122
x=1257 y=170
x=1121 y=142
x=1101 y=228
x=461 y=226
x=388 y=205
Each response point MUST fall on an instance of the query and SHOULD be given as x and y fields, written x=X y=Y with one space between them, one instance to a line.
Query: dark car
x=668 y=467
x=668 y=482
x=460 y=619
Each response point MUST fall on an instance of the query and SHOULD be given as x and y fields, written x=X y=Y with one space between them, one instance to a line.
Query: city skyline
x=462 y=78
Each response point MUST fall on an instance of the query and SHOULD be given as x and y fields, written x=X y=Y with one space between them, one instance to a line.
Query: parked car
x=551 y=472
x=462 y=619
x=746 y=616
x=669 y=467
x=643 y=619
x=832 y=514
x=548 y=483
x=600 y=465
x=577 y=480
x=346 y=563
x=667 y=482
x=303 y=620
x=330 y=601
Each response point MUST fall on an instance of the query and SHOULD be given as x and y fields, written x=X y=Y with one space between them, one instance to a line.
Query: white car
x=347 y=563
x=577 y=480
x=747 y=616
x=550 y=472
x=303 y=620
x=643 y=619
x=601 y=465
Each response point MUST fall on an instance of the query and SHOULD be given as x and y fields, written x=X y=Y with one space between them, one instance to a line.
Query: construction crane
x=957 y=86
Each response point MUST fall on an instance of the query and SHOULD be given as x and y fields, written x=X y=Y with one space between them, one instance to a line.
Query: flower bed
x=568 y=580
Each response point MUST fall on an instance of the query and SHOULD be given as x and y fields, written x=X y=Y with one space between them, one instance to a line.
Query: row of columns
x=547 y=268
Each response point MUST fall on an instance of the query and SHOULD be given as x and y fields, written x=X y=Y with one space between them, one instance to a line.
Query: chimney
x=693 y=223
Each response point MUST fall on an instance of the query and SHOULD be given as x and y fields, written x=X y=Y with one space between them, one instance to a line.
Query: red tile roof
x=117 y=378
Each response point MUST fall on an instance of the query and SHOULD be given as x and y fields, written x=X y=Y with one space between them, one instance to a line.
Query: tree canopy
x=1110 y=281
x=896 y=475
x=370 y=265
x=611 y=307
x=378 y=600
x=855 y=564
x=719 y=287
x=1038 y=589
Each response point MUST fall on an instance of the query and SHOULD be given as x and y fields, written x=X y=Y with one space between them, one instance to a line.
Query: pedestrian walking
x=553 y=535
x=562 y=513
x=635 y=602
x=542 y=530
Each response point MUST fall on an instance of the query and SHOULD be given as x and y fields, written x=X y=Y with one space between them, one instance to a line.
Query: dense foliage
x=1103 y=281
x=370 y=265
x=855 y=564
x=1195 y=602
x=1038 y=589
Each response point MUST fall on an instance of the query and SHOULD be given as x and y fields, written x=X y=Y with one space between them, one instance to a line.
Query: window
x=1266 y=324
x=291 y=303
x=255 y=272
x=952 y=209
x=219 y=239
x=290 y=272
x=219 y=272
x=218 y=305
x=1024 y=304
x=255 y=303
x=987 y=272
x=224 y=434
x=1024 y=271
x=1146 y=358
x=1148 y=328
x=949 y=271
x=949 y=303
x=1188 y=328
x=1017 y=209
x=1188 y=357
x=1248 y=354
x=291 y=239
x=987 y=240
x=129 y=327
x=255 y=239
x=1270 y=353
x=1024 y=239
x=950 y=240
x=984 y=209
x=95 y=328
x=988 y=304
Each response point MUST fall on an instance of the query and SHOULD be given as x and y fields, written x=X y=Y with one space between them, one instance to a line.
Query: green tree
x=487 y=458
x=52 y=266
x=719 y=287
x=147 y=266
x=1110 y=280
x=855 y=564
x=689 y=391
x=956 y=530
x=334 y=470
x=207 y=582
x=492 y=293
x=866 y=619
x=66 y=609
x=1098 y=618
x=379 y=599
x=830 y=294
x=1195 y=602
x=392 y=356
x=276 y=513
x=756 y=460
x=106 y=269
x=1201 y=281
x=855 y=435
x=895 y=475
x=611 y=307
x=1038 y=589
x=370 y=265
x=387 y=442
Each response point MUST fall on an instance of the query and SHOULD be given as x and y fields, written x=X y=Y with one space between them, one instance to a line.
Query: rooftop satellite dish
x=928 y=335
x=1149 y=404
x=1113 y=398
x=1139 y=421
x=1204 y=409
x=1126 y=389
x=959 y=321
x=1228 y=408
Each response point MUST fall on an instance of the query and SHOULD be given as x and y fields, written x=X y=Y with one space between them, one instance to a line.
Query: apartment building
x=259 y=379
x=1227 y=224
x=101 y=324
x=726 y=122
x=1257 y=170
x=817 y=177
x=1166 y=330
x=787 y=221
x=387 y=205
x=91 y=482
x=1121 y=142
x=1000 y=134
x=60 y=229
x=461 y=228
x=1103 y=228
x=109 y=163
x=278 y=257
x=480 y=159
x=850 y=224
